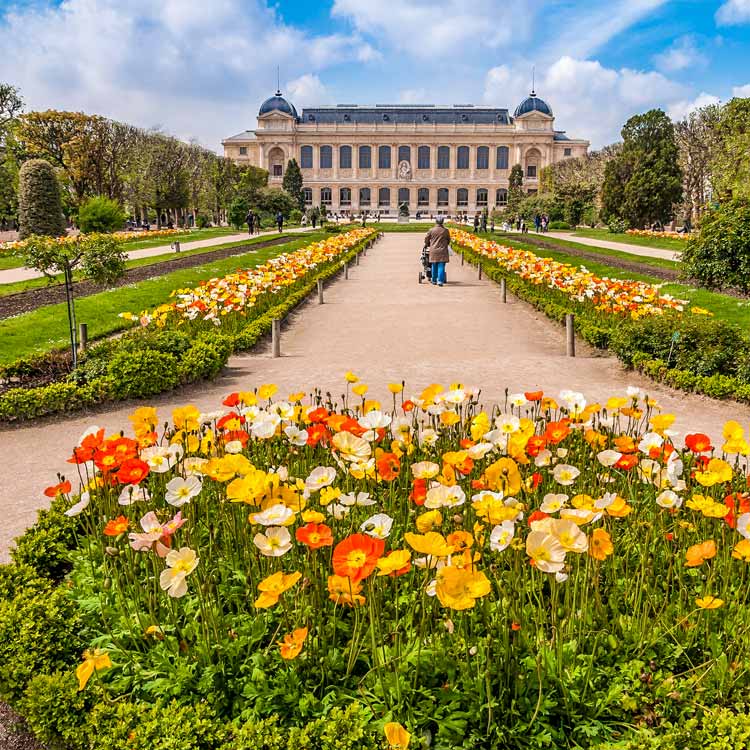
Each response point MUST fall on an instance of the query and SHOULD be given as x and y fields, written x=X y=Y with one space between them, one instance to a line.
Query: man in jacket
x=438 y=240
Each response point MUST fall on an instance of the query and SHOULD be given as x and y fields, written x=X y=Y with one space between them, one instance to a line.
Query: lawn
x=663 y=243
x=47 y=328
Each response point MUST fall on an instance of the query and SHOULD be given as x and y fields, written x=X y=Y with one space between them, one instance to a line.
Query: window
x=404 y=154
x=531 y=171
x=345 y=157
x=503 y=152
x=345 y=197
x=305 y=157
x=423 y=157
x=423 y=197
x=365 y=157
x=384 y=157
x=364 y=196
x=326 y=157
x=462 y=197
x=243 y=150
x=384 y=197
x=325 y=196
x=482 y=198
x=442 y=196
x=307 y=195
x=567 y=152
x=501 y=197
x=444 y=157
x=276 y=170
x=462 y=159
x=403 y=196
x=532 y=192
x=483 y=157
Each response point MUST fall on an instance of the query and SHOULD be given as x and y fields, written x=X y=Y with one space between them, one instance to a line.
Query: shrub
x=590 y=217
x=205 y=359
x=39 y=206
x=295 y=217
x=101 y=214
x=142 y=373
x=238 y=209
x=28 y=403
x=719 y=255
x=204 y=221
x=558 y=225
x=618 y=226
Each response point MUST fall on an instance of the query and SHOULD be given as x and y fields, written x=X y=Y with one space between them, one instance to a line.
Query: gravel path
x=624 y=247
x=385 y=326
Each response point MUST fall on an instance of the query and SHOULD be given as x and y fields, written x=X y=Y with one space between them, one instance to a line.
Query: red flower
x=738 y=504
x=115 y=452
x=556 y=432
x=536 y=479
x=116 y=526
x=239 y=435
x=58 y=489
x=537 y=515
x=132 y=471
x=626 y=462
x=408 y=406
x=314 y=535
x=317 y=433
x=318 y=415
x=534 y=395
x=232 y=400
x=388 y=466
x=698 y=442
x=88 y=447
x=355 y=557
x=536 y=444
x=418 y=492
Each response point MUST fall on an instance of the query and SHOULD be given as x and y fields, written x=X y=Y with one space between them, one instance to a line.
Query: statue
x=403 y=213
x=404 y=170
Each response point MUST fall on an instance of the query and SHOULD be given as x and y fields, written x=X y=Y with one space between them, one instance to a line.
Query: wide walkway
x=623 y=247
x=384 y=326
x=23 y=273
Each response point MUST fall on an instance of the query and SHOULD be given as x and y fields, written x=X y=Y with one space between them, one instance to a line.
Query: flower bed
x=658 y=235
x=544 y=573
x=18 y=246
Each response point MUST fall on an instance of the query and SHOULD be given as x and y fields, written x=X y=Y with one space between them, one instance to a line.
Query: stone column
x=454 y=160
x=433 y=161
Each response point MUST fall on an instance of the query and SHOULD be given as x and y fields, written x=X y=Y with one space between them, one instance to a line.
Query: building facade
x=445 y=159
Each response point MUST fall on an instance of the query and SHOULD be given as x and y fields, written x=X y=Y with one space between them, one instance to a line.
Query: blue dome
x=532 y=104
x=277 y=103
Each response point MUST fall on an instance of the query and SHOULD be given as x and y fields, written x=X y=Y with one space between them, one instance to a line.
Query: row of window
x=405 y=196
x=364 y=157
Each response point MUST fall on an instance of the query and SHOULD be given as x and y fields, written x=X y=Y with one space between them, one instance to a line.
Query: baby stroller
x=426 y=272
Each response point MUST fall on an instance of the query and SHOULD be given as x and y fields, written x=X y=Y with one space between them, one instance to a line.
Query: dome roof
x=277 y=103
x=532 y=103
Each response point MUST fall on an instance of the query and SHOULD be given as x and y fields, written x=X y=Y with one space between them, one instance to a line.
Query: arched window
x=483 y=157
x=364 y=197
x=276 y=161
x=326 y=157
x=384 y=197
x=533 y=160
x=442 y=196
x=307 y=195
x=305 y=157
x=482 y=197
x=345 y=197
x=384 y=157
x=462 y=197
x=444 y=157
x=365 y=157
x=404 y=154
x=462 y=158
x=501 y=197
x=325 y=196
x=403 y=196
x=423 y=157
x=345 y=157
x=502 y=157
x=423 y=197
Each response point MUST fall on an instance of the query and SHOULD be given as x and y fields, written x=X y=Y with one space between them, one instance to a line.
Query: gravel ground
x=13 y=734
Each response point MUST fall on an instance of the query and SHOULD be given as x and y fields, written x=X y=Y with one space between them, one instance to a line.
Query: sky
x=200 y=70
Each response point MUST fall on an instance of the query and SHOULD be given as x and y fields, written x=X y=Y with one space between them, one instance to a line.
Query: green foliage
x=28 y=403
x=719 y=255
x=613 y=188
x=542 y=203
x=251 y=181
x=731 y=163
x=292 y=183
x=238 y=209
x=101 y=214
x=205 y=359
x=272 y=200
x=296 y=216
x=617 y=226
x=557 y=225
x=142 y=373
x=515 y=189
x=39 y=205
x=203 y=221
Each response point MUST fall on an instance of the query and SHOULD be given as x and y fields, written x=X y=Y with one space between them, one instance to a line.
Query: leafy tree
x=731 y=162
x=613 y=188
x=251 y=181
x=293 y=183
x=542 y=203
x=97 y=257
x=238 y=209
x=515 y=188
x=101 y=214
x=11 y=105
x=273 y=200
x=39 y=206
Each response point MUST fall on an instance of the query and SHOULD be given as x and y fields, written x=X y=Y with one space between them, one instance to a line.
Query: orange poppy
x=556 y=432
x=317 y=433
x=388 y=466
x=231 y=421
x=625 y=444
x=318 y=415
x=343 y=590
x=291 y=646
x=534 y=395
x=626 y=462
x=356 y=556
x=132 y=471
x=114 y=453
x=600 y=544
x=418 y=491
x=408 y=405
x=116 y=526
x=699 y=553
x=697 y=442
x=58 y=489
x=536 y=444
x=314 y=535
x=88 y=447
x=738 y=503
x=232 y=399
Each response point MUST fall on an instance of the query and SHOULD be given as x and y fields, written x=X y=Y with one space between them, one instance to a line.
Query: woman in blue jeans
x=438 y=240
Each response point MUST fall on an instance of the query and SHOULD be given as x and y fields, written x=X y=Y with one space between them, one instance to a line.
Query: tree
x=273 y=200
x=39 y=206
x=731 y=162
x=101 y=214
x=251 y=181
x=515 y=188
x=293 y=183
x=238 y=209
x=11 y=106
x=613 y=189
x=99 y=258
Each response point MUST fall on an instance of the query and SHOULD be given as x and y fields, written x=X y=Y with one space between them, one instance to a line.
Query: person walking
x=438 y=240
x=280 y=221
x=483 y=224
x=476 y=222
x=537 y=222
x=250 y=221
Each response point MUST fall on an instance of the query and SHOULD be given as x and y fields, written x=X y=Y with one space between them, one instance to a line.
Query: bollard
x=176 y=246
x=320 y=291
x=276 y=337
x=570 y=334
x=83 y=336
x=479 y=265
x=462 y=259
x=346 y=270
x=357 y=262
x=503 y=295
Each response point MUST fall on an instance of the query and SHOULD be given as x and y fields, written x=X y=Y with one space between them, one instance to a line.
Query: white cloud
x=682 y=54
x=733 y=12
x=681 y=109
x=588 y=99
x=198 y=73
x=308 y=90
x=741 y=92
x=413 y=96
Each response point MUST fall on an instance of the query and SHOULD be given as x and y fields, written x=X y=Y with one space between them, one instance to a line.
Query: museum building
x=431 y=158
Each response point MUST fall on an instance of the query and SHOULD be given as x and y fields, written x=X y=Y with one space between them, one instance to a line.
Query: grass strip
x=661 y=243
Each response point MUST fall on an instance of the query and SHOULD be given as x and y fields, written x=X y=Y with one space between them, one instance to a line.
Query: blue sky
x=200 y=70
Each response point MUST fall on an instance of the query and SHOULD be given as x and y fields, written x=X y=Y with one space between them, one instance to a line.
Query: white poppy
x=565 y=474
x=296 y=436
x=441 y=496
x=181 y=491
x=551 y=503
x=378 y=526
x=275 y=515
x=668 y=499
x=320 y=476
x=275 y=542
x=133 y=493
x=80 y=506
x=502 y=535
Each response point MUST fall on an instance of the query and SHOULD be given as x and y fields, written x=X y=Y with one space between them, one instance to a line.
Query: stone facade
x=434 y=159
